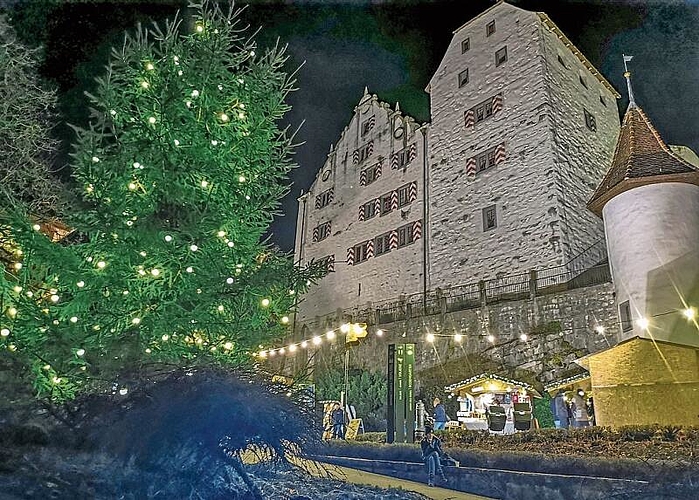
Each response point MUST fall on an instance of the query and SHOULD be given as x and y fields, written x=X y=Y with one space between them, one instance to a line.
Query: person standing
x=431 y=452
x=338 y=420
x=440 y=415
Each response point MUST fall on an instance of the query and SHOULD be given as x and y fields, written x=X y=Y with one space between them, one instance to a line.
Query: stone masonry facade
x=369 y=194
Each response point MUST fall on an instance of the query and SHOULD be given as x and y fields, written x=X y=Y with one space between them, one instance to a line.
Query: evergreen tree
x=181 y=170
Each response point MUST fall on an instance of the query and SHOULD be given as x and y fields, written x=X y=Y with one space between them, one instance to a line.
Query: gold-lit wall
x=641 y=382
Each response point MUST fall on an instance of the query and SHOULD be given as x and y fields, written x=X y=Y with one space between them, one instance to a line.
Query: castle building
x=522 y=128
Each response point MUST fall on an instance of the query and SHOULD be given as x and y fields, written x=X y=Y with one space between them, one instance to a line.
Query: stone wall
x=560 y=328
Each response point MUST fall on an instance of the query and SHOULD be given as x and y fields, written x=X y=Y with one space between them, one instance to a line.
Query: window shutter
x=350 y=256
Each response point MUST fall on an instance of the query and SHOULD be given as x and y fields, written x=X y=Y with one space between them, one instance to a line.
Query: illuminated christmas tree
x=181 y=171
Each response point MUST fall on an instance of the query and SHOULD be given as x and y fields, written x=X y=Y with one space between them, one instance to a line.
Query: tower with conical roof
x=649 y=202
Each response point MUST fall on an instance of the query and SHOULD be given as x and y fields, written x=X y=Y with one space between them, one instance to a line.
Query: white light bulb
x=112 y=112
x=17 y=265
x=524 y=337
x=142 y=253
x=285 y=320
x=136 y=165
x=165 y=337
x=175 y=58
x=155 y=272
x=150 y=67
x=204 y=184
x=55 y=298
x=168 y=238
x=430 y=338
x=304 y=344
x=80 y=352
x=228 y=346
x=264 y=302
x=230 y=244
x=247 y=197
x=177 y=143
x=282 y=350
x=145 y=84
x=193 y=248
x=179 y=72
x=221 y=234
x=379 y=333
x=220 y=308
x=123 y=391
x=188 y=103
x=12 y=312
x=200 y=27
x=317 y=340
x=36 y=227
x=263 y=354
x=5 y=332
x=17 y=289
x=214 y=142
x=136 y=321
x=74 y=319
x=345 y=328
x=252 y=53
x=241 y=179
x=330 y=334
x=230 y=281
x=643 y=323
x=190 y=269
x=689 y=313
x=224 y=117
x=132 y=186
x=457 y=337
x=30 y=294
x=491 y=338
x=56 y=380
x=599 y=329
x=148 y=351
x=195 y=93
x=292 y=348
x=101 y=264
x=151 y=120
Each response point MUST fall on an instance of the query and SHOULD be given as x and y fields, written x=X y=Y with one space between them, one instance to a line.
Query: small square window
x=405 y=235
x=463 y=78
x=368 y=125
x=582 y=81
x=501 y=56
x=382 y=244
x=465 y=45
x=385 y=204
x=590 y=120
x=490 y=28
x=625 y=316
x=361 y=252
x=490 y=219
x=369 y=209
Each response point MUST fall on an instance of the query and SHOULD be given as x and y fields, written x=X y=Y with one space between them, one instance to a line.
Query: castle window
x=382 y=244
x=490 y=219
x=324 y=198
x=370 y=209
x=501 y=56
x=463 y=78
x=371 y=174
x=490 y=28
x=465 y=45
x=601 y=100
x=582 y=81
x=361 y=252
x=403 y=197
x=404 y=156
x=321 y=231
x=625 y=316
x=590 y=120
x=368 y=125
x=365 y=151
x=386 y=204
x=483 y=110
x=405 y=235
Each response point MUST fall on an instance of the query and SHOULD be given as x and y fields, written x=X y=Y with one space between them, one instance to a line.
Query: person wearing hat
x=431 y=453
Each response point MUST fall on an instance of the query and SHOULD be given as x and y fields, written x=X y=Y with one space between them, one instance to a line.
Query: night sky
x=392 y=48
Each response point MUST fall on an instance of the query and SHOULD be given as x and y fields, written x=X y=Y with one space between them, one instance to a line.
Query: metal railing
x=577 y=273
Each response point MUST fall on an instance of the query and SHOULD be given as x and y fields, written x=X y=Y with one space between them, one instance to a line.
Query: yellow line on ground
x=356 y=476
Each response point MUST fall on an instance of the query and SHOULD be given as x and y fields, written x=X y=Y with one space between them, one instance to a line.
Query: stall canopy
x=488 y=382
x=579 y=381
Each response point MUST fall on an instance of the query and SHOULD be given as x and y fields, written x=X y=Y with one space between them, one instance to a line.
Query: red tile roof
x=641 y=157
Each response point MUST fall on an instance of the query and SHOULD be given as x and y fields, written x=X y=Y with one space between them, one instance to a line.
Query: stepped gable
x=641 y=158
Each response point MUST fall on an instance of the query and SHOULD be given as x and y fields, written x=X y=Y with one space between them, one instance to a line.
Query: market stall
x=491 y=401
x=571 y=401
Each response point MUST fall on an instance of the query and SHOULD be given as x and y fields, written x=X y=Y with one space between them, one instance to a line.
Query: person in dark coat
x=431 y=452
x=338 y=420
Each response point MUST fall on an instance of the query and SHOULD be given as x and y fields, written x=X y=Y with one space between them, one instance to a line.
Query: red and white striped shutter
x=361 y=213
x=369 y=249
x=500 y=153
x=412 y=152
x=497 y=103
x=471 y=167
x=394 y=161
x=350 y=256
x=355 y=156
x=362 y=178
x=470 y=118
x=417 y=230
x=317 y=204
x=412 y=192
x=331 y=263
x=331 y=195
x=377 y=205
x=315 y=234
x=393 y=240
x=394 y=200
x=378 y=170
x=370 y=149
